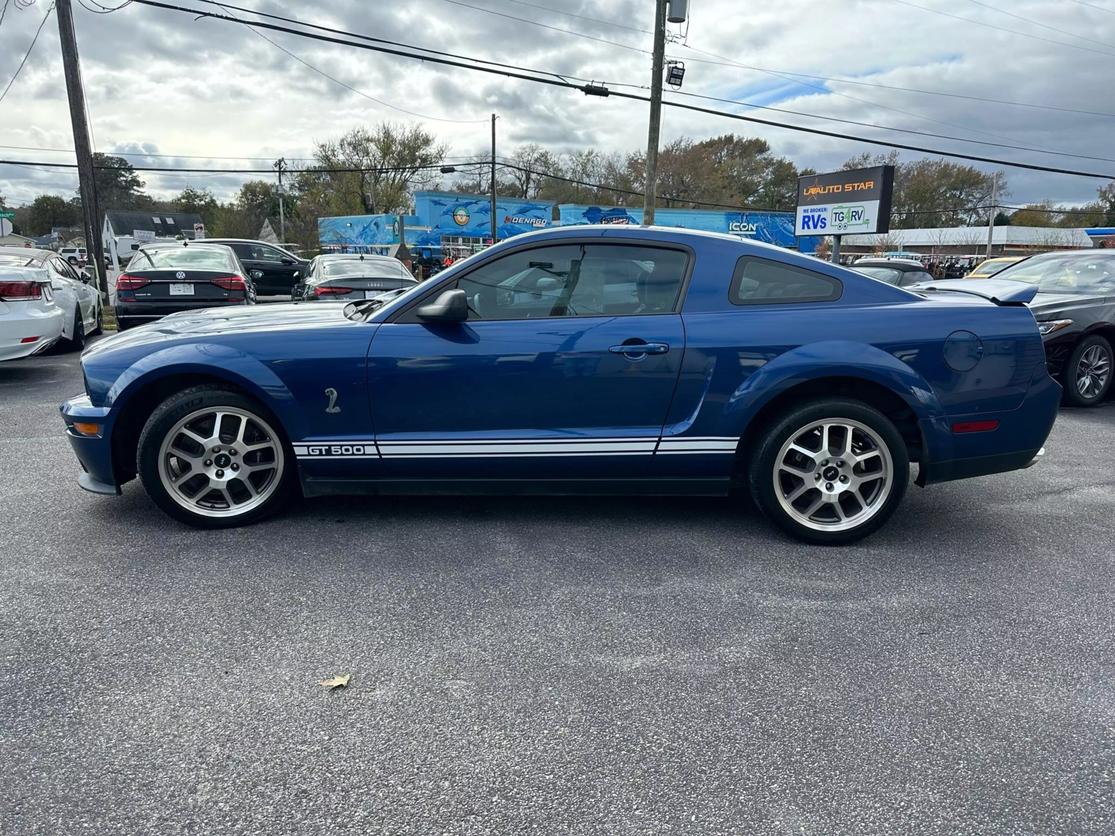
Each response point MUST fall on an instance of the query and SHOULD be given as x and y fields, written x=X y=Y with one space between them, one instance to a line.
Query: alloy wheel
x=833 y=474
x=221 y=461
x=1093 y=371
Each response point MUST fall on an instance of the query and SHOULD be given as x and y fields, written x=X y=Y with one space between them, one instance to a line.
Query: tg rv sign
x=845 y=202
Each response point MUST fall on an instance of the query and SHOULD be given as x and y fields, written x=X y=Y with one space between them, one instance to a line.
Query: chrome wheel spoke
x=215 y=479
x=813 y=485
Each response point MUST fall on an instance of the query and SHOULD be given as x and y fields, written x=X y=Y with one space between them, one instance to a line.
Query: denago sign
x=845 y=202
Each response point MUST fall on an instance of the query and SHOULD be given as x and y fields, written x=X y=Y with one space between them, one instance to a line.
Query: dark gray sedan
x=351 y=277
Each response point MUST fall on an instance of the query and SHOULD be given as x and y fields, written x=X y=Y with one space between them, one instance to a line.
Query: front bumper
x=94 y=452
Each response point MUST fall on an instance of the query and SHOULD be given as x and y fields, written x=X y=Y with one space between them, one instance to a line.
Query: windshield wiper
x=366 y=306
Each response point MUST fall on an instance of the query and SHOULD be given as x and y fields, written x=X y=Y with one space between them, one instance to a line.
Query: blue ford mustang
x=586 y=359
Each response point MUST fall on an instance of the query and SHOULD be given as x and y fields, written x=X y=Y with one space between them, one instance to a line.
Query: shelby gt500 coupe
x=583 y=359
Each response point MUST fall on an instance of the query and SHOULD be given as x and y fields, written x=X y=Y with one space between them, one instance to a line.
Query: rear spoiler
x=999 y=291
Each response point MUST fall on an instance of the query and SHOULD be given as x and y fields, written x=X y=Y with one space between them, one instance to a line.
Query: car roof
x=185 y=245
x=356 y=257
x=30 y=252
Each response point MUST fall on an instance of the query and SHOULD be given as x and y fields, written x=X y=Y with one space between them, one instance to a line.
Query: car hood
x=220 y=321
x=1045 y=304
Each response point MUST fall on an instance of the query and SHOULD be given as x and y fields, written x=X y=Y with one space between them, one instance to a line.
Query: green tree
x=935 y=193
x=117 y=184
x=48 y=211
x=198 y=201
x=376 y=169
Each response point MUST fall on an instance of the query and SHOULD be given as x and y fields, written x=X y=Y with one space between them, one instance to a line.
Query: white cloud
x=158 y=79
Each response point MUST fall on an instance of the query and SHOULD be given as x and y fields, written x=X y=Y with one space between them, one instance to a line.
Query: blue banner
x=355 y=231
x=470 y=216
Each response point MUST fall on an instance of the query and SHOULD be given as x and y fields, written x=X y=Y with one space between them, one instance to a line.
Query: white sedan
x=30 y=319
x=74 y=291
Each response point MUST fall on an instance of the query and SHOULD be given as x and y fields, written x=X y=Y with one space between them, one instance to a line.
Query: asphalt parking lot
x=533 y=665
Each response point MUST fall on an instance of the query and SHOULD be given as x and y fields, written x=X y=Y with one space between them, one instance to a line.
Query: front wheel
x=830 y=472
x=214 y=458
x=1088 y=371
x=77 y=336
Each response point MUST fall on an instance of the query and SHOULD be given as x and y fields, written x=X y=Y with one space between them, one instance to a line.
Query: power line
x=1037 y=23
x=527 y=74
x=349 y=87
x=1108 y=53
x=4 y=11
x=177 y=170
x=577 y=34
x=727 y=61
x=897 y=130
x=319 y=27
x=27 y=54
x=724 y=61
x=1094 y=6
x=582 y=17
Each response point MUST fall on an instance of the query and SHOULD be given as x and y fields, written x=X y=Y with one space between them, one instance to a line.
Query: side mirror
x=257 y=274
x=297 y=274
x=450 y=306
x=135 y=246
x=286 y=261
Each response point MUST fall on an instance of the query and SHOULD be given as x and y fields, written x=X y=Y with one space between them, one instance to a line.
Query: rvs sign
x=845 y=202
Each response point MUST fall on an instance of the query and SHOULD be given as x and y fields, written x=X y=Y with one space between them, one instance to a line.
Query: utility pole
x=87 y=187
x=655 y=126
x=992 y=212
x=493 y=198
x=280 y=164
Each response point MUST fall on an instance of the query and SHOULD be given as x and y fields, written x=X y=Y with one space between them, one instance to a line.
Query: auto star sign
x=845 y=202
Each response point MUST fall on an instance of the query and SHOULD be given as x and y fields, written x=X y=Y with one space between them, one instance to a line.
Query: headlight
x=1053 y=326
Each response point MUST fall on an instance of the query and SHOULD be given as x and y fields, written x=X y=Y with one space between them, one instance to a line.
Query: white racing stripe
x=515 y=447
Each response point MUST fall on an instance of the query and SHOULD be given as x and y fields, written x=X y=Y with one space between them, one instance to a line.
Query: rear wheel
x=1088 y=372
x=830 y=472
x=214 y=458
x=77 y=338
x=98 y=322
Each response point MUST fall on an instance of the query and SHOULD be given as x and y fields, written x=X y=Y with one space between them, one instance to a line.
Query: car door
x=65 y=292
x=565 y=367
x=271 y=269
x=84 y=291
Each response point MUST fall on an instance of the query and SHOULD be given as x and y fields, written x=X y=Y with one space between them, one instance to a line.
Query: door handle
x=638 y=350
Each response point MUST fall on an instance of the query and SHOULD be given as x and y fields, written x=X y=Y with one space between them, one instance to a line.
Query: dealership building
x=971 y=240
x=461 y=223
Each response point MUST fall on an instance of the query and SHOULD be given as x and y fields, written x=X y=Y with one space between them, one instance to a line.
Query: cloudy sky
x=160 y=82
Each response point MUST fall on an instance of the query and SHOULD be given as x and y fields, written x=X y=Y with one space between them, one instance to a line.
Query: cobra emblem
x=332 y=408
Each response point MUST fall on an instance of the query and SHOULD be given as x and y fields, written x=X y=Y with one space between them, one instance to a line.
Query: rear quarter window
x=757 y=281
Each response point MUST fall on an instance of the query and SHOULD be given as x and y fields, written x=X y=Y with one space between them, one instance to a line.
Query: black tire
x=98 y=325
x=767 y=481
x=77 y=341
x=197 y=399
x=1071 y=375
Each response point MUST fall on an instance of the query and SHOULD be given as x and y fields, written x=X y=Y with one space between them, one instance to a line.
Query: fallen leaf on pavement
x=336 y=682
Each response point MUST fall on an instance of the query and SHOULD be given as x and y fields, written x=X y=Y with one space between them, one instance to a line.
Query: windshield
x=1065 y=272
x=355 y=268
x=196 y=258
x=990 y=268
x=885 y=274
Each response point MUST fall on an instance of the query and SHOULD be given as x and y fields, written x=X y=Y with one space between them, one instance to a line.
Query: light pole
x=676 y=14
x=279 y=165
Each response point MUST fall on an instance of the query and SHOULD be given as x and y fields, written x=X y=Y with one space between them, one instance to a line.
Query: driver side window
x=576 y=280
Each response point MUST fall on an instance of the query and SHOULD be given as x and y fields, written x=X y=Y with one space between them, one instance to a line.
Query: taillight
x=126 y=282
x=231 y=283
x=331 y=290
x=20 y=291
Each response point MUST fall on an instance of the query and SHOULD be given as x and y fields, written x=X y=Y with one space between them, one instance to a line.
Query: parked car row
x=1074 y=307
x=44 y=300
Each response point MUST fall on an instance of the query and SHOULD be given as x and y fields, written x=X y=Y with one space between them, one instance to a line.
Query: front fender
x=212 y=360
